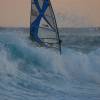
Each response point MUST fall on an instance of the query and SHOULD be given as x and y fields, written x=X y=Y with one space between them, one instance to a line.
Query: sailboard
x=43 y=26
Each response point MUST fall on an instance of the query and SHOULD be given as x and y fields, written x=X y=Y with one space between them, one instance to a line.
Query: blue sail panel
x=35 y=24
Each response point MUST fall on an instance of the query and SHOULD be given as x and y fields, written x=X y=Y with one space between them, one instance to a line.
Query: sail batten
x=43 y=26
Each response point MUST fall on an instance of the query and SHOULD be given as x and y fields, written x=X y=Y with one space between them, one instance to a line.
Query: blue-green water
x=31 y=73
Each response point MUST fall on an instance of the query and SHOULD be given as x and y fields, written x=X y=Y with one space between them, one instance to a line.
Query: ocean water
x=32 y=73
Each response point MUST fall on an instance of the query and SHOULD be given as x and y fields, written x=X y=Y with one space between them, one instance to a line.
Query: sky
x=69 y=13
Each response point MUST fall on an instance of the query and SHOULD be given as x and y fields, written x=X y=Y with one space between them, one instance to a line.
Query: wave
x=32 y=73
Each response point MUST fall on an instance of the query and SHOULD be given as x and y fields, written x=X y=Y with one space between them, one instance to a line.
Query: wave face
x=32 y=73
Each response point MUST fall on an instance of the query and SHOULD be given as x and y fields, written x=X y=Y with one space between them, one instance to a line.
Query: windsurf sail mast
x=43 y=25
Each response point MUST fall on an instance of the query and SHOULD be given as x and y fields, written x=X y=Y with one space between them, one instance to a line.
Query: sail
x=43 y=26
